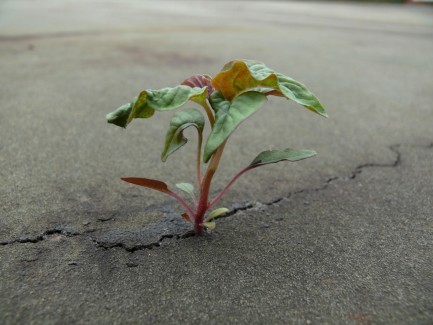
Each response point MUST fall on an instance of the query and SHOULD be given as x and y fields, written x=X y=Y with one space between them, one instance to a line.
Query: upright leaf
x=274 y=156
x=229 y=115
x=180 y=121
x=240 y=76
x=149 y=101
x=186 y=187
x=200 y=81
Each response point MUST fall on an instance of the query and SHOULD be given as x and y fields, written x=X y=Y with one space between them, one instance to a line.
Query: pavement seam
x=69 y=232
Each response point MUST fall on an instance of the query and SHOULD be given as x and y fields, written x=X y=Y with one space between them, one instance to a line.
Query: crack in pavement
x=59 y=230
x=358 y=170
x=134 y=248
x=396 y=162
x=251 y=205
x=70 y=232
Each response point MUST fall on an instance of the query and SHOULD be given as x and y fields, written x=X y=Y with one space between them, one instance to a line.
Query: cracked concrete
x=177 y=228
x=174 y=227
x=310 y=257
x=153 y=235
x=344 y=238
x=59 y=230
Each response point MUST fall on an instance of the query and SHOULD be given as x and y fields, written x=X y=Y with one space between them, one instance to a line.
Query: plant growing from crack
x=233 y=95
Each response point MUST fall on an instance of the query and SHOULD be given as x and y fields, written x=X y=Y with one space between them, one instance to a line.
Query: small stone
x=86 y=223
x=131 y=264
x=104 y=219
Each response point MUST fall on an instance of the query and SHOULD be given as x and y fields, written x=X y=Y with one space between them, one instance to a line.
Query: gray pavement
x=344 y=238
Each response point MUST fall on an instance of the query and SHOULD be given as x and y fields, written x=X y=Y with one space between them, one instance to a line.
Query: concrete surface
x=344 y=238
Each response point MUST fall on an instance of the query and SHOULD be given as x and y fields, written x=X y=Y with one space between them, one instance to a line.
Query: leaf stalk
x=234 y=179
x=209 y=113
x=182 y=202
x=198 y=163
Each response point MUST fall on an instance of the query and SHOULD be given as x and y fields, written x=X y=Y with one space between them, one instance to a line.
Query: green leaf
x=120 y=116
x=149 y=101
x=186 y=187
x=216 y=213
x=240 y=76
x=209 y=225
x=297 y=92
x=180 y=121
x=147 y=182
x=229 y=115
x=274 y=156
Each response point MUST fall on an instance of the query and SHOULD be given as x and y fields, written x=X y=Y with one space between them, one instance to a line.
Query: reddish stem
x=219 y=196
x=203 y=203
x=200 y=140
x=181 y=201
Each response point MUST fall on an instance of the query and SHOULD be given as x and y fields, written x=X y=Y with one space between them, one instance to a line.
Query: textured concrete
x=344 y=238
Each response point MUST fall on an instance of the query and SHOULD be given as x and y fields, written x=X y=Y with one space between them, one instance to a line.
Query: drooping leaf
x=147 y=182
x=186 y=187
x=297 y=92
x=180 y=121
x=274 y=156
x=120 y=116
x=149 y=101
x=215 y=213
x=209 y=225
x=200 y=81
x=239 y=76
x=229 y=115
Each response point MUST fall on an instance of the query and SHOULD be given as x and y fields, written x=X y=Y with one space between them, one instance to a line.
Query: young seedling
x=233 y=95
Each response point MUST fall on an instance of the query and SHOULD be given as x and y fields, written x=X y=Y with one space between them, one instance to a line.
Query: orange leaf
x=236 y=78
